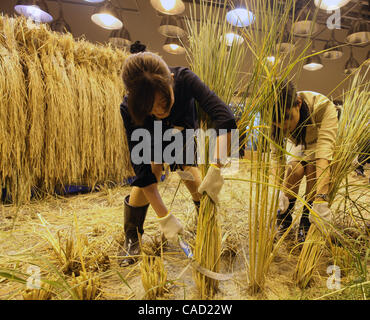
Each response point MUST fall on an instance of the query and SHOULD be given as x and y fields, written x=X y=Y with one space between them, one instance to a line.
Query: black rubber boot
x=284 y=219
x=134 y=218
x=304 y=224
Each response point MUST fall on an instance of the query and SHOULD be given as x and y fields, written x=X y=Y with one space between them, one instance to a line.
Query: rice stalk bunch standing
x=261 y=88
x=218 y=65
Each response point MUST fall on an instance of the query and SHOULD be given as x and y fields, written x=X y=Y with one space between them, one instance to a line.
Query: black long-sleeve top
x=187 y=88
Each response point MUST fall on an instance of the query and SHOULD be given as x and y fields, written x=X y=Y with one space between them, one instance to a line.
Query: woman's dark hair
x=143 y=75
x=286 y=99
x=137 y=47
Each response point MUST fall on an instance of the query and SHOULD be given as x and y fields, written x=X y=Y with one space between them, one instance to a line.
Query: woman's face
x=291 y=119
x=160 y=103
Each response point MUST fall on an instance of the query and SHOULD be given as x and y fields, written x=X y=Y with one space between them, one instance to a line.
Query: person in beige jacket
x=309 y=121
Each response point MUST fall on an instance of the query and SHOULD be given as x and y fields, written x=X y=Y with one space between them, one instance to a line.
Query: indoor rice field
x=290 y=223
x=31 y=234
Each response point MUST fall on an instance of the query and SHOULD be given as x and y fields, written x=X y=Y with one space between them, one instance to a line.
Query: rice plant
x=153 y=276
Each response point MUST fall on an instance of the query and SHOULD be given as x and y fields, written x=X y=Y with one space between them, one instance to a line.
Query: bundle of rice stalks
x=153 y=277
x=61 y=123
x=44 y=293
x=341 y=257
x=218 y=65
x=309 y=257
x=353 y=131
x=67 y=249
x=86 y=286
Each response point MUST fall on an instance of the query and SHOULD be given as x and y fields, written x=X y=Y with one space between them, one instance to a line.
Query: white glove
x=323 y=217
x=283 y=202
x=212 y=183
x=170 y=226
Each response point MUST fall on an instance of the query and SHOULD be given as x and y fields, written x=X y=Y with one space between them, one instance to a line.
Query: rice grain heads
x=59 y=119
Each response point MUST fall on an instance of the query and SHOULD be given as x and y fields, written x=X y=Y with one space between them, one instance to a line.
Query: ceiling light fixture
x=305 y=25
x=233 y=38
x=120 y=38
x=359 y=33
x=334 y=51
x=351 y=64
x=171 y=26
x=60 y=24
x=174 y=46
x=105 y=16
x=240 y=16
x=286 y=45
x=37 y=10
x=171 y=7
x=313 y=62
x=329 y=5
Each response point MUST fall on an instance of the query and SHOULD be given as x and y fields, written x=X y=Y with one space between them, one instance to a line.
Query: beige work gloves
x=283 y=202
x=323 y=216
x=171 y=227
x=212 y=183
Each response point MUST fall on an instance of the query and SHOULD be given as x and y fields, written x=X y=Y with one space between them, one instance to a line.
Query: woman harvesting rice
x=309 y=120
x=159 y=95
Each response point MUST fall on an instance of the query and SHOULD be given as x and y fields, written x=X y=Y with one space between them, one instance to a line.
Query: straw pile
x=59 y=119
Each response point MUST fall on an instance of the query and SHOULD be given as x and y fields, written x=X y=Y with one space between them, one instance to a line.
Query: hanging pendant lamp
x=171 y=7
x=313 y=63
x=173 y=46
x=37 y=10
x=351 y=64
x=106 y=16
x=330 y=5
x=240 y=15
x=171 y=26
x=286 y=45
x=120 y=38
x=359 y=33
x=334 y=50
x=305 y=25
x=60 y=24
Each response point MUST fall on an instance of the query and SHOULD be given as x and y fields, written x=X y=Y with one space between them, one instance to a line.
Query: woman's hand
x=171 y=227
x=212 y=183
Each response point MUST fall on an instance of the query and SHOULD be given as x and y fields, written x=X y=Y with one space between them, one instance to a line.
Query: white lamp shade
x=232 y=38
x=35 y=10
x=240 y=17
x=173 y=46
x=105 y=16
x=331 y=4
x=170 y=7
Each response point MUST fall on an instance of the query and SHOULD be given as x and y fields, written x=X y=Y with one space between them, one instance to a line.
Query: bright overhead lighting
x=240 y=17
x=329 y=5
x=170 y=7
x=95 y=1
x=232 y=37
x=173 y=46
x=106 y=17
x=36 y=10
x=313 y=63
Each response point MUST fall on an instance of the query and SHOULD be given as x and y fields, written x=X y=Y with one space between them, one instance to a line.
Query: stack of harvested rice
x=59 y=118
